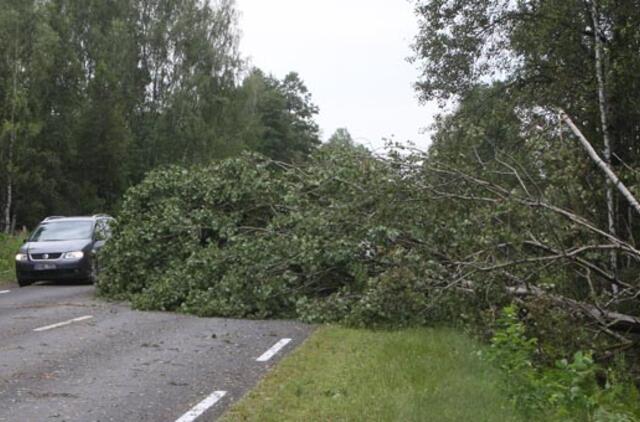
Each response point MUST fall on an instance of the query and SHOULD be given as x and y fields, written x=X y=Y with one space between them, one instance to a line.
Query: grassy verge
x=8 y=247
x=348 y=375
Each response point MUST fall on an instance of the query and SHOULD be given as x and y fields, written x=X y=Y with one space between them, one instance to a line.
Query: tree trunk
x=630 y=231
x=602 y=102
x=611 y=176
x=12 y=141
x=7 y=207
x=609 y=319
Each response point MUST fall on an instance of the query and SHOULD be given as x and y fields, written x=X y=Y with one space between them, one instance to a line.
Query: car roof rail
x=101 y=216
x=54 y=217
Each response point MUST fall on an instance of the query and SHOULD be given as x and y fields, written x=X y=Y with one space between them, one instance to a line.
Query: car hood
x=56 y=247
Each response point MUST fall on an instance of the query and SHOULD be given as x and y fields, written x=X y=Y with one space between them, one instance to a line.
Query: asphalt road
x=110 y=363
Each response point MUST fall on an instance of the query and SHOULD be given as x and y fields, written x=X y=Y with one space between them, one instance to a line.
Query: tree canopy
x=93 y=95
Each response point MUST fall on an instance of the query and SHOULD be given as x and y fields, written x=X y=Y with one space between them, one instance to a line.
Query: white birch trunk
x=12 y=141
x=8 y=201
x=604 y=120
x=611 y=176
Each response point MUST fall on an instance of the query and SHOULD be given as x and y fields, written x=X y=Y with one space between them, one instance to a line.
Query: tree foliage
x=95 y=94
x=544 y=55
x=529 y=212
x=260 y=238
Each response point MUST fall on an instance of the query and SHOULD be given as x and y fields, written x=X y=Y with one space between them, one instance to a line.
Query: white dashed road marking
x=275 y=349
x=62 y=324
x=4 y=292
x=202 y=407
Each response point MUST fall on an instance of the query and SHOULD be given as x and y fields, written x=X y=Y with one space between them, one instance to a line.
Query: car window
x=62 y=230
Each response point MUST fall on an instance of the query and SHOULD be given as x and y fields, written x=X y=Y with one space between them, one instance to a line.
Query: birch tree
x=20 y=33
x=580 y=56
x=604 y=120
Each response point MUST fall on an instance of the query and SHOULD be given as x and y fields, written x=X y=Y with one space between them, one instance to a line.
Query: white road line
x=4 y=292
x=275 y=349
x=62 y=324
x=202 y=407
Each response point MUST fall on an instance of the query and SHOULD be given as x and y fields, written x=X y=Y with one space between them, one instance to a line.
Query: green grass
x=359 y=375
x=8 y=247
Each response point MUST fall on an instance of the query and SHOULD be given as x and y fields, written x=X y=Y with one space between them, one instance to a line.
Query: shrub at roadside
x=576 y=389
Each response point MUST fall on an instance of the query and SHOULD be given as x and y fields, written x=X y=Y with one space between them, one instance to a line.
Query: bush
x=569 y=391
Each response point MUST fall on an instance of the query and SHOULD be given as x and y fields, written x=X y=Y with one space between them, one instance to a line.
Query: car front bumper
x=53 y=270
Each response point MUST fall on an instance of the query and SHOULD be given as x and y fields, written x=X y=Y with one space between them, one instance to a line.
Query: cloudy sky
x=352 y=56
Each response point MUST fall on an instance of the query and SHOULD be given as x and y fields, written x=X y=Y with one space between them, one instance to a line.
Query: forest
x=94 y=94
x=519 y=223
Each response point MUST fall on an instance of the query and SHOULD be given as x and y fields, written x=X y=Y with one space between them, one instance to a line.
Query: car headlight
x=22 y=257
x=73 y=255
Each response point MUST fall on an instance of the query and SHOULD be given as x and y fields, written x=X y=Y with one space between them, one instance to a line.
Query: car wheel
x=24 y=283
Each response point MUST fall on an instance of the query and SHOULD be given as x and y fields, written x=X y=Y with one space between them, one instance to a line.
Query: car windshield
x=62 y=230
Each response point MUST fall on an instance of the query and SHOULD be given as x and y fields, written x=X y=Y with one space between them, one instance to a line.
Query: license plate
x=40 y=267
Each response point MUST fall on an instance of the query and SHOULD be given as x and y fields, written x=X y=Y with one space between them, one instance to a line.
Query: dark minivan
x=63 y=248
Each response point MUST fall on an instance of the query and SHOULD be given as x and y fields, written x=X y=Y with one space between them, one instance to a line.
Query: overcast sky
x=351 y=55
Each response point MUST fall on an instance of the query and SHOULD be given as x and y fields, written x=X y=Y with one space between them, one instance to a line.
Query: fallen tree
x=530 y=254
x=606 y=169
x=348 y=237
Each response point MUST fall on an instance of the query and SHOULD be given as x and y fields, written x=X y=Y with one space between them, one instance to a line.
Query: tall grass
x=360 y=375
x=8 y=247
